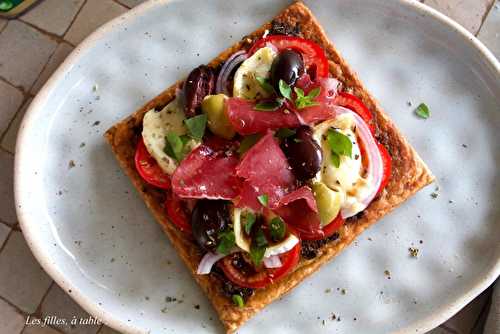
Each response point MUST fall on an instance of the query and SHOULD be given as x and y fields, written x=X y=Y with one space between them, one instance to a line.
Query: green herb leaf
x=6 y=5
x=263 y=199
x=196 y=126
x=339 y=143
x=174 y=146
x=277 y=229
x=226 y=242
x=267 y=106
x=249 y=221
x=247 y=142
x=258 y=247
x=335 y=159
x=314 y=93
x=238 y=300
x=423 y=111
x=285 y=133
x=299 y=92
x=285 y=90
x=265 y=84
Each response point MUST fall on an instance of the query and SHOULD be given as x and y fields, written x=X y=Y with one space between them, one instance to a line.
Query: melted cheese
x=348 y=177
x=258 y=65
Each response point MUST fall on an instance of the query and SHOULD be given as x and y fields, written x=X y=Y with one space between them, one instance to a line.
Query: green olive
x=328 y=202
x=218 y=123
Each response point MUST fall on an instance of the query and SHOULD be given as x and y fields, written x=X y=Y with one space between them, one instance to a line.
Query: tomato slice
x=148 y=168
x=387 y=162
x=314 y=56
x=325 y=232
x=352 y=102
x=177 y=212
x=261 y=278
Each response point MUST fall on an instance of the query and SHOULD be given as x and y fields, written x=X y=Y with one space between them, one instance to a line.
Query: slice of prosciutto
x=298 y=209
x=246 y=120
x=207 y=173
x=265 y=171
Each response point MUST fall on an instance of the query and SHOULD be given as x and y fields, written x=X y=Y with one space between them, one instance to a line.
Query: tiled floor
x=31 y=48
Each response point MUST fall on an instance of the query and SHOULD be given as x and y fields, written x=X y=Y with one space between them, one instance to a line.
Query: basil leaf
x=263 y=199
x=267 y=106
x=258 y=247
x=285 y=90
x=314 y=93
x=277 y=229
x=247 y=142
x=226 y=242
x=339 y=143
x=238 y=300
x=196 y=126
x=423 y=111
x=264 y=83
x=299 y=92
x=174 y=146
x=285 y=133
x=335 y=159
x=249 y=221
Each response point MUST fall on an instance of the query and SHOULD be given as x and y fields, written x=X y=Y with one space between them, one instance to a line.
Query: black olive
x=288 y=66
x=303 y=153
x=209 y=217
x=199 y=83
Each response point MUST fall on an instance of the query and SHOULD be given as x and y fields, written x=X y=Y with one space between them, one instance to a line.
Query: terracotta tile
x=38 y=329
x=9 y=139
x=3 y=23
x=468 y=13
x=24 y=282
x=23 y=53
x=131 y=3
x=62 y=51
x=490 y=30
x=107 y=330
x=58 y=303
x=54 y=16
x=11 y=98
x=93 y=14
x=4 y=232
x=463 y=321
x=11 y=321
x=7 y=207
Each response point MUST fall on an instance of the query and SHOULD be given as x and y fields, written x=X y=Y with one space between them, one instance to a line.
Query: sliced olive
x=209 y=217
x=288 y=66
x=303 y=153
x=218 y=123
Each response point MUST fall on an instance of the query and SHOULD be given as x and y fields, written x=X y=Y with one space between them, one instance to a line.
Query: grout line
x=52 y=36
x=38 y=311
x=100 y=329
x=5 y=151
x=74 y=19
x=483 y=314
x=2 y=135
x=5 y=26
x=451 y=330
x=121 y=4
x=485 y=16
x=21 y=88
x=6 y=240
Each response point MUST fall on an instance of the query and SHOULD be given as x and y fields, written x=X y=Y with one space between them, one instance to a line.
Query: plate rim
x=37 y=247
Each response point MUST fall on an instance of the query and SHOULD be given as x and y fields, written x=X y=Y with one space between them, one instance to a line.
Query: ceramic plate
x=92 y=233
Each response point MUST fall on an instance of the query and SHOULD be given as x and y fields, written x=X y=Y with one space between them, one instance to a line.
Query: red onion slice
x=228 y=67
x=209 y=259
x=375 y=164
x=272 y=262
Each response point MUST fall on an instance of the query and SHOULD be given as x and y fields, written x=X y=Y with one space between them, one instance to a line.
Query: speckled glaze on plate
x=94 y=236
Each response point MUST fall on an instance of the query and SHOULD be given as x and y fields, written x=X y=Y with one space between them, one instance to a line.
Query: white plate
x=93 y=235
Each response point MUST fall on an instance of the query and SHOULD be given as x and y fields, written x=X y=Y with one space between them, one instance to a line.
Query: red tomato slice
x=176 y=212
x=350 y=101
x=314 y=56
x=387 y=162
x=264 y=277
x=148 y=169
x=325 y=232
